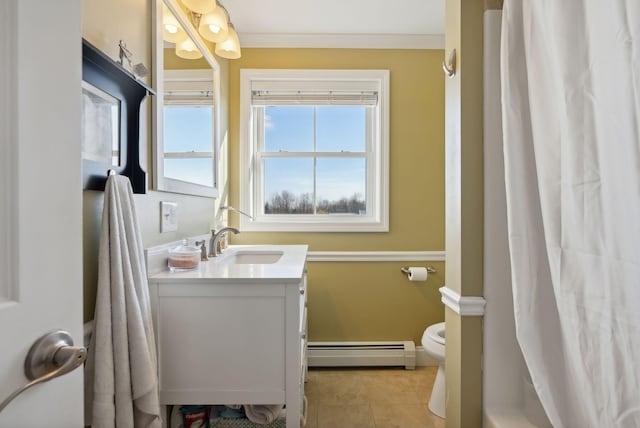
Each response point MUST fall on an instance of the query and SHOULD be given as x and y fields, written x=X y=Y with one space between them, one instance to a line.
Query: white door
x=40 y=202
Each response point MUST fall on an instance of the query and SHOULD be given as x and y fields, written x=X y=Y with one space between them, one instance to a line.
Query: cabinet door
x=218 y=344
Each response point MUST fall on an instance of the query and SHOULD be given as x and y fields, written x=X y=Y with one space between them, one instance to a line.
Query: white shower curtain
x=571 y=120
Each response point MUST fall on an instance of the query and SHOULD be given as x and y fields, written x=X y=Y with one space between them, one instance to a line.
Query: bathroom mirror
x=186 y=113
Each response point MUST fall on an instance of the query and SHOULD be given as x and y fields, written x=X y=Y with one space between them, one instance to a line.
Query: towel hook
x=111 y=172
x=450 y=66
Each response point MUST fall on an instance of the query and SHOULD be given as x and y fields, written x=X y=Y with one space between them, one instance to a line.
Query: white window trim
x=378 y=220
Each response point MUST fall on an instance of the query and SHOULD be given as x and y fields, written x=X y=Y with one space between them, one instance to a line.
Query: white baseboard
x=362 y=354
x=341 y=354
x=423 y=359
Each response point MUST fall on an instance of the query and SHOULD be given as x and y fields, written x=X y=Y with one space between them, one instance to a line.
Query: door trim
x=8 y=160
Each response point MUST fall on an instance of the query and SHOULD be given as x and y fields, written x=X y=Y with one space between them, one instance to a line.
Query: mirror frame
x=160 y=182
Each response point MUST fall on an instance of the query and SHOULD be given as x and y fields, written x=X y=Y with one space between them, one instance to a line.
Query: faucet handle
x=203 y=250
x=212 y=247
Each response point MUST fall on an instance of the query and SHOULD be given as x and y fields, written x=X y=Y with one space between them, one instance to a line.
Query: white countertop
x=289 y=268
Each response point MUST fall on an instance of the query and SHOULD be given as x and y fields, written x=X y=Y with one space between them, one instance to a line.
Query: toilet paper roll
x=418 y=273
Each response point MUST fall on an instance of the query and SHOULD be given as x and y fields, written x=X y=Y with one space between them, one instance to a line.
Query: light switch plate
x=168 y=216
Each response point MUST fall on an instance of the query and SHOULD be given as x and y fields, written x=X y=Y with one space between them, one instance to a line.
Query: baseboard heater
x=350 y=354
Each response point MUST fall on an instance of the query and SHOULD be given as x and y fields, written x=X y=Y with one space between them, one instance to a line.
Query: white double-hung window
x=314 y=148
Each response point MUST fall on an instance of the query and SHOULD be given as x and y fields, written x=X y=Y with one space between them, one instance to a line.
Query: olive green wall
x=464 y=210
x=365 y=300
x=104 y=23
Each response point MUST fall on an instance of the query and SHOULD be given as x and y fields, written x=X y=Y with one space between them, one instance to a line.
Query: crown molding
x=344 y=41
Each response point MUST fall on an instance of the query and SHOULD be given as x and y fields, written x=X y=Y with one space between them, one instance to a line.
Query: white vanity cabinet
x=235 y=336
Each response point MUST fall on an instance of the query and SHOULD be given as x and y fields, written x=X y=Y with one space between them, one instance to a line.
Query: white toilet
x=433 y=343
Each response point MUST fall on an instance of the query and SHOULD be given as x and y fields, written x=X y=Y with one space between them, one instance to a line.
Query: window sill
x=284 y=225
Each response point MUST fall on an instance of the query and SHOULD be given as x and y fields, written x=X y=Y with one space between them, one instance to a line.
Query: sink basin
x=255 y=257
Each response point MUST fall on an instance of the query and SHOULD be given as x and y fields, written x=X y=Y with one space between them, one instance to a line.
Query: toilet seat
x=436 y=333
x=433 y=341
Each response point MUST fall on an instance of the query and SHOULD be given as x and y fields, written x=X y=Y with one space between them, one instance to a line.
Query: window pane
x=188 y=129
x=288 y=186
x=341 y=129
x=288 y=129
x=342 y=186
x=199 y=171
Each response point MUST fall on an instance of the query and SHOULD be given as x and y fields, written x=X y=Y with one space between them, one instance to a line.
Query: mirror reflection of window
x=187 y=133
x=189 y=126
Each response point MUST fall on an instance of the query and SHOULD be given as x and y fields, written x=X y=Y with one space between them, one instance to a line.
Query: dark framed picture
x=111 y=98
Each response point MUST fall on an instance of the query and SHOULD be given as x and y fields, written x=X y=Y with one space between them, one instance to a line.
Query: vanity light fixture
x=230 y=48
x=214 y=26
x=172 y=32
x=200 y=6
x=212 y=22
x=187 y=49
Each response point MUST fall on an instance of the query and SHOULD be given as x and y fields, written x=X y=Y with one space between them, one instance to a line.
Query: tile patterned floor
x=370 y=398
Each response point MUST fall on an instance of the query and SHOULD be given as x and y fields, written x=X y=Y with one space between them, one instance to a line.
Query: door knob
x=51 y=356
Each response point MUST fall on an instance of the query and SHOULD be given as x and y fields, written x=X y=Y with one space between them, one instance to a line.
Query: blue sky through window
x=337 y=129
x=188 y=129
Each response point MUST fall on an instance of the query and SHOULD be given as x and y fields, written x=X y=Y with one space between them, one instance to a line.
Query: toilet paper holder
x=405 y=270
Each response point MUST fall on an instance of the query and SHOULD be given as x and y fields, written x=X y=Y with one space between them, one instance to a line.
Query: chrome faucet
x=214 y=246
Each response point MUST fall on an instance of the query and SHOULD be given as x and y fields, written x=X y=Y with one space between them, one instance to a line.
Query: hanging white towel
x=121 y=384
